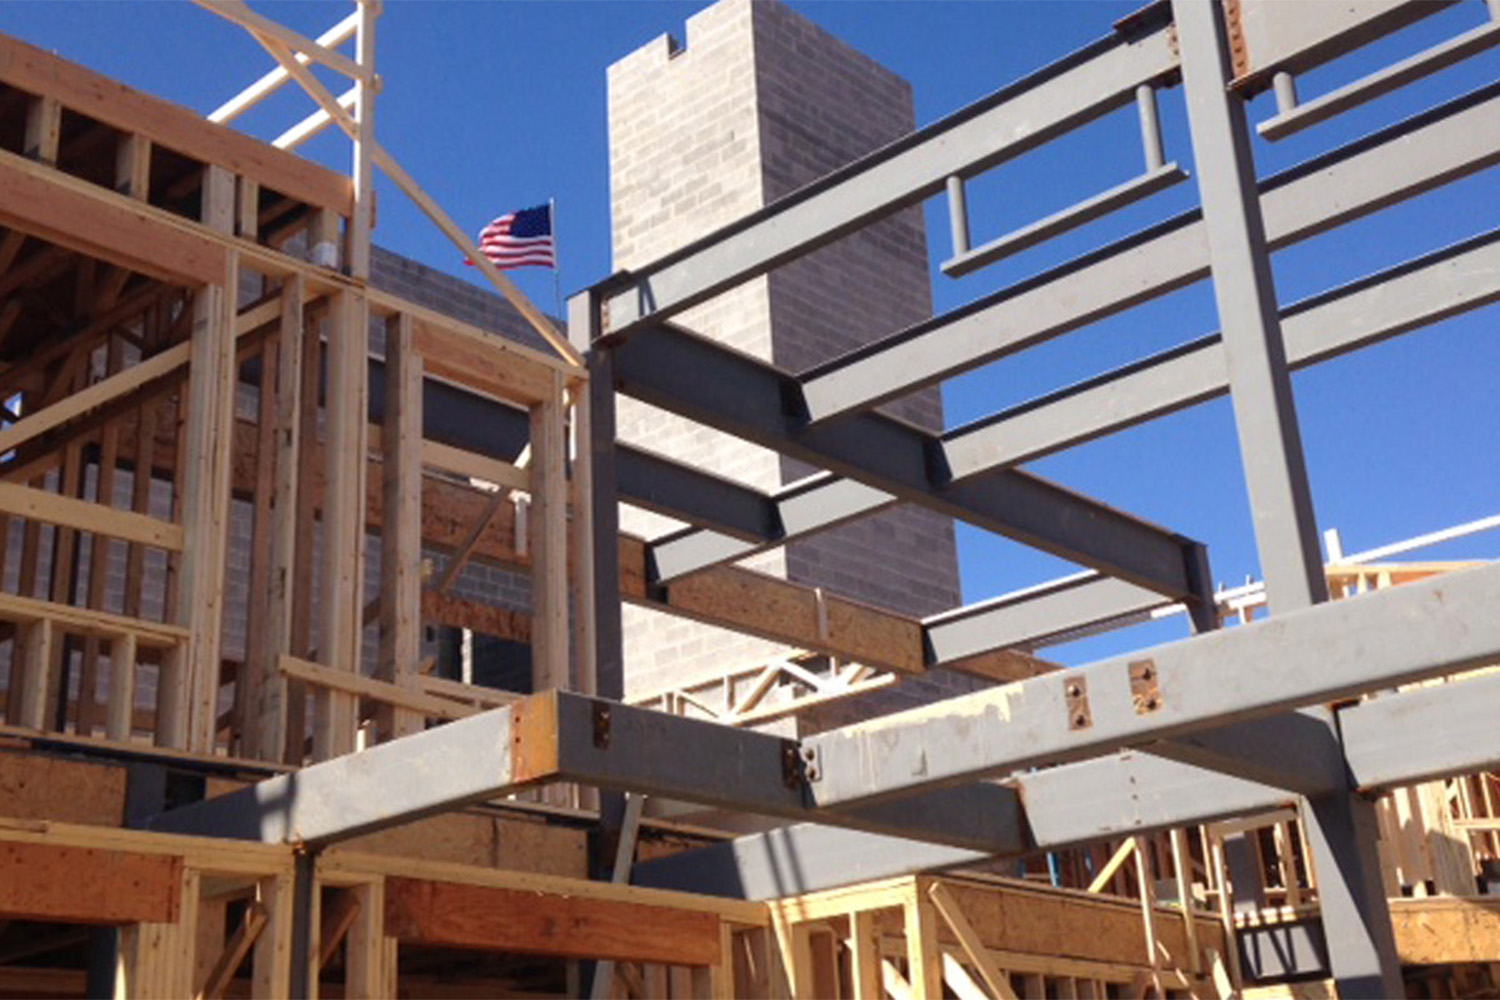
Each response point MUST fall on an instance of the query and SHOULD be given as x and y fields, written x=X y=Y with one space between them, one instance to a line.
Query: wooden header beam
x=39 y=200
x=171 y=126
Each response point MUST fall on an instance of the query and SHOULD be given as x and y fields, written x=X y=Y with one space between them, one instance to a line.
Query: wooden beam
x=538 y=320
x=969 y=940
x=486 y=619
x=335 y=923
x=475 y=466
x=761 y=605
x=345 y=462
x=269 y=713
x=455 y=915
x=549 y=559
x=274 y=79
x=205 y=451
x=43 y=129
x=234 y=952
x=35 y=645
x=39 y=72
x=102 y=224
x=1116 y=861
x=239 y=13
x=919 y=920
x=413 y=701
x=87 y=885
x=401 y=535
x=82 y=515
x=271 y=966
x=118 y=722
x=133 y=167
x=481 y=363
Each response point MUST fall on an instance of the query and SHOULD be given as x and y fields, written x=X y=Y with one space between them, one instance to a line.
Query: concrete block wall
x=755 y=104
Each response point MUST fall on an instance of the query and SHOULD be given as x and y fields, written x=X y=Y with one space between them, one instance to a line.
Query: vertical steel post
x=1285 y=86
x=1356 y=916
x=585 y=326
x=584 y=323
x=1260 y=386
x=1145 y=104
x=958 y=215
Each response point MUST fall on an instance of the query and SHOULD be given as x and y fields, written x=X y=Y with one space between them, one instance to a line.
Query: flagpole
x=556 y=259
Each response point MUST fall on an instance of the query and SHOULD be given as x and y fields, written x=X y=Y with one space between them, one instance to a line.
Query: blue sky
x=499 y=105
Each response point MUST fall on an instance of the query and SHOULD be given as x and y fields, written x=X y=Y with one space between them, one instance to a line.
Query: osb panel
x=1444 y=930
x=449 y=914
x=485 y=842
x=87 y=885
x=34 y=786
x=1068 y=925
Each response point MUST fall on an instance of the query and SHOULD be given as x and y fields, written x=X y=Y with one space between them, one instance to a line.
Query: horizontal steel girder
x=704 y=381
x=1390 y=741
x=1396 y=163
x=557 y=736
x=1032 y=617
x=1071 y=92
x=1419 y=292
x=1300 y=658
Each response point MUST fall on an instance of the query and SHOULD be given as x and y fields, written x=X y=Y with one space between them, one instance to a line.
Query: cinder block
x=705 y=136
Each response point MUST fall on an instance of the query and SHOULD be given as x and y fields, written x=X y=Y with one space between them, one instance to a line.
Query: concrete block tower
x=757 y=103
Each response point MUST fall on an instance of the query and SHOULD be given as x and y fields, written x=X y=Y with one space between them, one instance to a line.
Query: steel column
x=1341 y=829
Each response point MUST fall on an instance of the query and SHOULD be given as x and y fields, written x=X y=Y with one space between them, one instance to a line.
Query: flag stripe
x=520 y=239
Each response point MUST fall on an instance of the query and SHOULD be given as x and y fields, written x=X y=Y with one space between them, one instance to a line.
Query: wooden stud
x=401 y=529
x=345 y=461
x=969 y=940
x=247 y=208
x=452 y=914
x=99 y=557
x=82 y=515
x=249 y=687
x=133 y=166
x=362 y=167
x=864 y=953
x=268 y=709
x=549 y=561
x=235 y=950
x=43 y=129
x=925 y=964
x=795 y=949
x=1117 y=860
x=302 y=524
x=36 y=644
x=205 y=495
x=1148 y=910
x=1181 y=860
x=76 y=215
x=364 y=970
x=957 y=979
x=271 y=963
x=121 y=707
x=323 y=239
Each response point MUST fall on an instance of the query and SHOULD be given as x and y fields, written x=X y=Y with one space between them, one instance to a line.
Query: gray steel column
x=1356 y=915
x=1260 y=387
x=584 y=327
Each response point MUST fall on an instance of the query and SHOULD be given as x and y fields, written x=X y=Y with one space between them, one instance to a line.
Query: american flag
x=520 y=239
